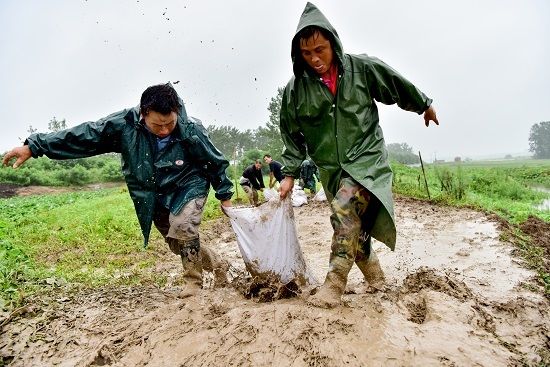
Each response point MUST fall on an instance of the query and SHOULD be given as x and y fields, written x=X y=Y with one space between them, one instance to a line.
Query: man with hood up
x=169 y=164
x=328 y=111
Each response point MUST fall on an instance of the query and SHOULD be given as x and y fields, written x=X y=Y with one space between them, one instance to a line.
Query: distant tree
x=229 y=138
x=402 y=153
x=31 y=130
x=539 y=140
x=57 y=125
x=268 y=138
x=250 y=156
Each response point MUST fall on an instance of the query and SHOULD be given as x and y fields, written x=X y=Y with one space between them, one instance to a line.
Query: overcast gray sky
x=486 y=64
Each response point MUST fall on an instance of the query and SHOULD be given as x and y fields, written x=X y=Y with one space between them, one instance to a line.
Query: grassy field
x=92 y=238
x=80 y=238
x=505 y=188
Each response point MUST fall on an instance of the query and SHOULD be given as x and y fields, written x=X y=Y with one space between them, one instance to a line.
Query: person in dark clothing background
x=252 y=181
x=309 y=175
x=275 y=174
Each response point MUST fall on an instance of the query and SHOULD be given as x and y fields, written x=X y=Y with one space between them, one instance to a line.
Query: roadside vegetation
x=92 y=238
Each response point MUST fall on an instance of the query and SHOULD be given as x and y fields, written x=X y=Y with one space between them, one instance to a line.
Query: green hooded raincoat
x=342 y=132
x=182 y=171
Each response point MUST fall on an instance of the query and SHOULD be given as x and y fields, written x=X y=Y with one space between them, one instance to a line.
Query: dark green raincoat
x=341 y=132
x=182 y=171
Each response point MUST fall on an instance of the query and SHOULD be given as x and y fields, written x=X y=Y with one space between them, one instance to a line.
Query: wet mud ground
x=456 y=295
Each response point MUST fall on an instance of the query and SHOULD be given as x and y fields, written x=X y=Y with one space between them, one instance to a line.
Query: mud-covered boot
x=370 y=267
x=211 y=261
x=192 y=269
x=330 y=293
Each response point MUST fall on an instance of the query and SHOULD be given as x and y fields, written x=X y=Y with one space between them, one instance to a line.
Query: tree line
x=240 y=147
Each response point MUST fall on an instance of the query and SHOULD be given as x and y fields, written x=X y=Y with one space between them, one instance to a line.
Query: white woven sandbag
x=320 y=196
x=268 y=243
x=298 y=197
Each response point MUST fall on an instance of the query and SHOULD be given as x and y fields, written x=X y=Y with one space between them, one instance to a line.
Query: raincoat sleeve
x=213 y=162
x=294 y=151
x=84 y=140
x=387 y=86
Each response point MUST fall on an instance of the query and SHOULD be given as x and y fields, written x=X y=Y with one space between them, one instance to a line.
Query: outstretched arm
x=20 y=153
x=429 y=115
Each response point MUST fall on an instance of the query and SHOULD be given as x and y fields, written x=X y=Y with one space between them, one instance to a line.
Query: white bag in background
x=270 y=194
x=299 y=196
x=320 y=196
x=268 y=243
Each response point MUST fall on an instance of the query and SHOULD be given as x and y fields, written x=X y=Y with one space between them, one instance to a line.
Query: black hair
x=161 y=98
x=308 y=32
x=267 y=155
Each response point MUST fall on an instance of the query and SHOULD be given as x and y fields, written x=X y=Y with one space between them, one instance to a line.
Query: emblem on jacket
x=179 y=162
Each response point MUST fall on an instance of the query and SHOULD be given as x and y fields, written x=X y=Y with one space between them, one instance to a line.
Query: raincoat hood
x=312 y=16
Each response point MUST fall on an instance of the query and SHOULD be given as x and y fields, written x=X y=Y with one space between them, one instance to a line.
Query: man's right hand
x=286 y=186
x=21 y=153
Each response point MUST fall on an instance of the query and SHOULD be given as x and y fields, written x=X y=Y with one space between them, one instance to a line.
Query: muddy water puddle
x=545 y=205
x=468 y=247
x=451 y=299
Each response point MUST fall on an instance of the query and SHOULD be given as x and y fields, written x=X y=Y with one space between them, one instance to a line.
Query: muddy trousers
x=181 y=233
x=252 y=194
x=354 y=210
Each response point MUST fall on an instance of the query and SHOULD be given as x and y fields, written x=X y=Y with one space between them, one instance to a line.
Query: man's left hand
x=429 y=115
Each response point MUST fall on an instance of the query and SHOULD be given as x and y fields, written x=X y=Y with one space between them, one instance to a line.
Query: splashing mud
x=453 y=297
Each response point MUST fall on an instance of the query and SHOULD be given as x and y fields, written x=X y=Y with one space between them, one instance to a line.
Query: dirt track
x=453 y=298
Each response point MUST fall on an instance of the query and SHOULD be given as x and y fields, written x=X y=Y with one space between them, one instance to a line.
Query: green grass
x=504 y=190
x=82 y=238
x=92 y=238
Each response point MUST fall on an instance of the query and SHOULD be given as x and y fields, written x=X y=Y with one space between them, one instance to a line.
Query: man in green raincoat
x=329 y=112
x=169 y=164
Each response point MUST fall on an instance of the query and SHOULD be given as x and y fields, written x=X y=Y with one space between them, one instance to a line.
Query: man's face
x=317 y=52
x=258 y=165
x=159 y=124
x=267 y=160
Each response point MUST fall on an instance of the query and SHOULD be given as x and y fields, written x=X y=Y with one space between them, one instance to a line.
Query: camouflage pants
x=181 y=231
x=354 y=210
x=252 y=194
x=308 y=184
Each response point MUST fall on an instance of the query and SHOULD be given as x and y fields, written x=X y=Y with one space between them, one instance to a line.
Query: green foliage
x=15 y=267
x=47 y=172
x=268 y=138
x=505 y=190
x=402 y=153
x=76 y=175
x=539 y=140
x=229 y=139
x=81 y=238
x=249 y=157
x=452 y=184
x=56 y=125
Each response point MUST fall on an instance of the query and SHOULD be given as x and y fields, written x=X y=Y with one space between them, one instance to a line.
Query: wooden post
x=424 y=173
x=235 y=173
